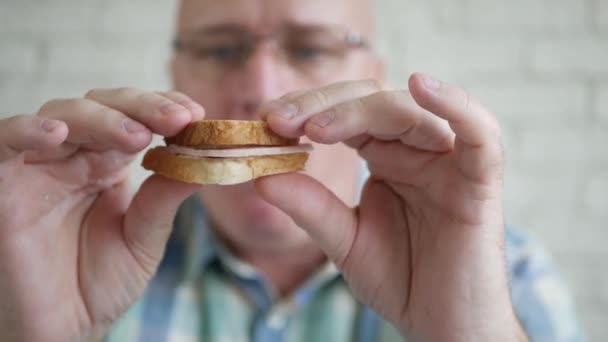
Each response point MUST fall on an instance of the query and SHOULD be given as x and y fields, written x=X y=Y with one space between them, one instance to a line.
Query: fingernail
x=430 y=83
x=49 y=125
x=132 y=126
x=285 y=110
x=323 y=119
x=172 y=108
x=194 y=108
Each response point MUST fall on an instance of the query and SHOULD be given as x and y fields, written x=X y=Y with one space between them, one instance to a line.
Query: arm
x=76 y=250
x=425 y=246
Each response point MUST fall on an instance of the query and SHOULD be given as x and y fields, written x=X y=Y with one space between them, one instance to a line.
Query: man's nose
x=265 y=76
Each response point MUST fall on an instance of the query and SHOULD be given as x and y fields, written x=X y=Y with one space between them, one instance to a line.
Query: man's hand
x=425 y=246
x=75 y=250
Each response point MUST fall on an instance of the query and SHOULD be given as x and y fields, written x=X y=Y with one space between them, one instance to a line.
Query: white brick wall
x=461 y=56
x=540 y=65
x=569 y=141
x=538 y=17
x=585 y=57
x=601 y=103
x=19 y=57
x=596 y=188
x=48 y=18
x=87 y=57
x=527 y=100
x=600 y=15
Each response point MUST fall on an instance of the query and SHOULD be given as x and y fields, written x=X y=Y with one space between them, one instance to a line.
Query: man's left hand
x=425 y=246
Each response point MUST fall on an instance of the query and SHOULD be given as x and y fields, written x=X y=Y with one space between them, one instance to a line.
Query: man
x=284 y=258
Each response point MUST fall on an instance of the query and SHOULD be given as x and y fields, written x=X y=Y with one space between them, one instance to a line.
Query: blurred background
x=540 y=65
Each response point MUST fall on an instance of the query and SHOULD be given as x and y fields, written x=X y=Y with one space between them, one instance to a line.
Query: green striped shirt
x=203 y=293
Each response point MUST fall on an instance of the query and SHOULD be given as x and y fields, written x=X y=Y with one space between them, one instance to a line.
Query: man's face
x=233 y=55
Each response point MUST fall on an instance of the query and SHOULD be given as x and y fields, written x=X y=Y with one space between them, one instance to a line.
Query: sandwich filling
x=241 y=152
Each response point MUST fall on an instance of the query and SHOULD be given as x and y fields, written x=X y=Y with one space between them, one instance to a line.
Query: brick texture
x=527 y=101
x=540 y=65
x=19 y=57
x=600 y=15
x=570 y=57
x=601 y=103
x=462 y=57
x=533 y=17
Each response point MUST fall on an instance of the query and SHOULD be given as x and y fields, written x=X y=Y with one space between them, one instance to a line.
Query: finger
x=197 y=111
x=287 y=115
x=157 y=112
x=478 y=141
x=315 y=209
x=471 y=122
x=62 y=151
x=386 y=159
x=386 y=115
x=28 y=132
x=110 y=206
x=97 y=127
x=149 y=219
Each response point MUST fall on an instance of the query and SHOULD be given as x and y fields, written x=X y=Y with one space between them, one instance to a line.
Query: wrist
x=96 y=335
x=506 y=328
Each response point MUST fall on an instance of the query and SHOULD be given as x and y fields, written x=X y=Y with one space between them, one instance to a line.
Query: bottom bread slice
x=224 y=171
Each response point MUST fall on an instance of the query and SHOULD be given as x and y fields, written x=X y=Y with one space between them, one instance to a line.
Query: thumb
x=149 y=219
x=315 y=209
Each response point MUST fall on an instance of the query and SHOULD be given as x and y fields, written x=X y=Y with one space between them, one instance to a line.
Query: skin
x=255 y=230
x=423 y=245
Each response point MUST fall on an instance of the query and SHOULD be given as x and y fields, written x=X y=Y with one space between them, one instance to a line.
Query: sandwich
x=226 y=152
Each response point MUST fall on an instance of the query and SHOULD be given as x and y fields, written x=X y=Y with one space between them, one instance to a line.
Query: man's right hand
x=75 y=250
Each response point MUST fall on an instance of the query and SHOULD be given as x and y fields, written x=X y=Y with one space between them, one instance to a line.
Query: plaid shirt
x=203 y=293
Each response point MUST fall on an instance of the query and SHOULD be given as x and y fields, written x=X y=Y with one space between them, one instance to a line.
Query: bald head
x=268 y=15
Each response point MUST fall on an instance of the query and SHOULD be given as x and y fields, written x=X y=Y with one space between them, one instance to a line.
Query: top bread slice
x=228 y=133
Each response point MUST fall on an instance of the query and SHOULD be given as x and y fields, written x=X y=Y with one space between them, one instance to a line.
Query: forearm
x=508 y=329
x=17 y=328
x=470 y=302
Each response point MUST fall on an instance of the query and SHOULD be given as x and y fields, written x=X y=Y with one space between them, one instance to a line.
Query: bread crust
x=224 y=171
x=228 y=133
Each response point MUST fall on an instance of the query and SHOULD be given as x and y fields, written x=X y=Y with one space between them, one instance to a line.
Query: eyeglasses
x=309 y=51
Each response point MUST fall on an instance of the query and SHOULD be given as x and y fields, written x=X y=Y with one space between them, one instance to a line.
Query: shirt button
x=276 y=322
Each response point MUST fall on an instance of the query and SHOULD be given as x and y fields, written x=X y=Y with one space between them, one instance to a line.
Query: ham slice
x=241 y=152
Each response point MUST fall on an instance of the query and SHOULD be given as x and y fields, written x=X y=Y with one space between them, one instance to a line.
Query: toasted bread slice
x=228 y=133
x=224 y=171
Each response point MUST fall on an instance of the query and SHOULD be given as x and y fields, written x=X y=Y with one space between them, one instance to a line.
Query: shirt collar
x=201 y=248
x=199 y=242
